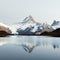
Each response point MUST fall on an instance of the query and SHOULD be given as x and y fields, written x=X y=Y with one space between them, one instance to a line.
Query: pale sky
x=41 y=10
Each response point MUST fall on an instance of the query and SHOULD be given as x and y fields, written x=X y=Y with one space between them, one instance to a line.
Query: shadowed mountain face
x=26 y=31
x=3 y=33
x=55 y=23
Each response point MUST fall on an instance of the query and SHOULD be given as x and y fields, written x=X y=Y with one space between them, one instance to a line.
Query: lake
x=29 y=48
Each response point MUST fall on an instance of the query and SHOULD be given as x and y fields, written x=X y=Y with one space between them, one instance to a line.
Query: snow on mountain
x=47 y=27
x=30 y=26
x=13 y=28
x=56 y=24
x=27 y=22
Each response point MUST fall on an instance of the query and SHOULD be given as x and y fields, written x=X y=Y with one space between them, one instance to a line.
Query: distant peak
x=55 y=22
x=31 y=18
x=28 y=19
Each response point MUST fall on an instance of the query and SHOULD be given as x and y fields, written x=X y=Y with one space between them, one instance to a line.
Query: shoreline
x=28 y=35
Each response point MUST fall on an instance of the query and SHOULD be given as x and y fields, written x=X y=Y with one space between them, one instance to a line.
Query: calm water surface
x=29 y=48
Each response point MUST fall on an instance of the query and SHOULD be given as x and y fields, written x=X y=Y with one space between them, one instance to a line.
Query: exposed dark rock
x=4 y=30
x=57 y=30
x=55 y=33
x=3 y=33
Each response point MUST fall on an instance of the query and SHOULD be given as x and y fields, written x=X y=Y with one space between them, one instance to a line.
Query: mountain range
x=28 y=26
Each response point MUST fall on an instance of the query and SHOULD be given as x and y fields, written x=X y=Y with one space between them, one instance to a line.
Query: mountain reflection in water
x=30 y=42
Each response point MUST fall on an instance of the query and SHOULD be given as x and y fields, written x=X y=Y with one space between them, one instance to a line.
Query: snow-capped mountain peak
x=29 y=19
x=27 y=22
x=56 y=24
x=30 y=26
